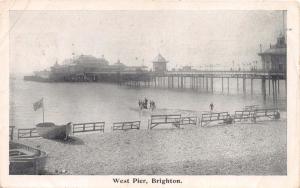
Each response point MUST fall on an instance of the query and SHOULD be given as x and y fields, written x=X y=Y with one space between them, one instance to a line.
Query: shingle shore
x=237 y=149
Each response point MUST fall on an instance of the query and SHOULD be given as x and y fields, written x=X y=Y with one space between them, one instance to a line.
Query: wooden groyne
x=175 y=120
x=27 y=133
x=192 y=120
x=126 y=125
x=243 y=115
x=255 y=114
x=172 y=119
x=220 y=117
x=88 y=127
x=76 y=128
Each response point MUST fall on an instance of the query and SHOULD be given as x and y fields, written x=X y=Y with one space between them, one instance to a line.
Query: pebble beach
x=235 y=149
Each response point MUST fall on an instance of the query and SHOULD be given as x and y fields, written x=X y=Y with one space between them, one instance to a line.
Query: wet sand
x=237 y=149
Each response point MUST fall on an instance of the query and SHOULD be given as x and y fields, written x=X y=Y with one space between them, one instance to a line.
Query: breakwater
x=175 y=120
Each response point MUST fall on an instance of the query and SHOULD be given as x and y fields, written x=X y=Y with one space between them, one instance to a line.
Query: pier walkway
x=195 y=79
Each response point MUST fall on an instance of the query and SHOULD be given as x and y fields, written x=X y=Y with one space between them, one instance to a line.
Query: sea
x=93 y=102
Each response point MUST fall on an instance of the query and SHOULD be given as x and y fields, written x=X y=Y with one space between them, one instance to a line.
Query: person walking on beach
x=211 y=106
x=153 y=106
x=146 y=103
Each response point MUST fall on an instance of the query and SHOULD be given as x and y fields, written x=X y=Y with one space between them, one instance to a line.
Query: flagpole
x=43 y=112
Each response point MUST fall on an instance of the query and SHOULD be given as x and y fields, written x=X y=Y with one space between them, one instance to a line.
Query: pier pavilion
x=159 y=64
x=274 y=58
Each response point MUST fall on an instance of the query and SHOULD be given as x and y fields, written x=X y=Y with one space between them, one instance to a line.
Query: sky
x=194 y=38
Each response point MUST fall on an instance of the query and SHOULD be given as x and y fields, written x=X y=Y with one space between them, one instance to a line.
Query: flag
x=38 y=104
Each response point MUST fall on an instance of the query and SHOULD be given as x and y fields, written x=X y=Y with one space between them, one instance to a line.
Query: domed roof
x=86 y=59
x=160 y=59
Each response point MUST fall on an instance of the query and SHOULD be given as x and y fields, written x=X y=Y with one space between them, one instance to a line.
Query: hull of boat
x=51 y=131
x=25 y=160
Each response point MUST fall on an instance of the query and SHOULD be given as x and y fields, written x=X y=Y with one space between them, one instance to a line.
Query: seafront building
x=274 y=59
x=80 y=69
x=160 y=64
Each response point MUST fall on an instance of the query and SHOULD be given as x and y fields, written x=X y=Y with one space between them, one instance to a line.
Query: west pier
x=194 y=80
x=90 y=69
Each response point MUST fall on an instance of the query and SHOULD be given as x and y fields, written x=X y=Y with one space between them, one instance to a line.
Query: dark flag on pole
x=37 y=105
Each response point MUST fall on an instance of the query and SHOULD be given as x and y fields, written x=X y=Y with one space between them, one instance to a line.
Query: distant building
x=118 y=66
x=274 y=59
x=83 y=63
x=160 y=64
x=85 y=68
x=136 y=68
x=42 y=74
x=187 y=68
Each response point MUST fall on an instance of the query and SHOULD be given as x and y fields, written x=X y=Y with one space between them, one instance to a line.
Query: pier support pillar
x=273 y=90
x=159 y=81
x=228 y=85
x=207 y=84
x=276 y=91
x=270 y=86
x=181 y=81
x=222 y=85
x=285 y=84
x=200 y=82
x=244 y=86
x=278 y=87
x=237 y=85
x=251 y=86
x=263 y=88
x=212 y=84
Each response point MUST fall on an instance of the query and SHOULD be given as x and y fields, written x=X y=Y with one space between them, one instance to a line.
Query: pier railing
x=173 y=119
x=27 y=133
x=88 y=127
x=126 y=125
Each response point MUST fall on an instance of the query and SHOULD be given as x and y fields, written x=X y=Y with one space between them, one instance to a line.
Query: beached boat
x=25 y=160
x=51 y=131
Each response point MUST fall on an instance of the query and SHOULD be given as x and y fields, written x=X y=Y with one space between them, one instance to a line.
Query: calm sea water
x=88 y=102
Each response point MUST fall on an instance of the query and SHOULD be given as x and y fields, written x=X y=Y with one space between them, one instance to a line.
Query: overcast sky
x=39 y=38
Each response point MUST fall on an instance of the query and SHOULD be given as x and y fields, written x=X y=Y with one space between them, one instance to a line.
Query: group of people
x=143 y=104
